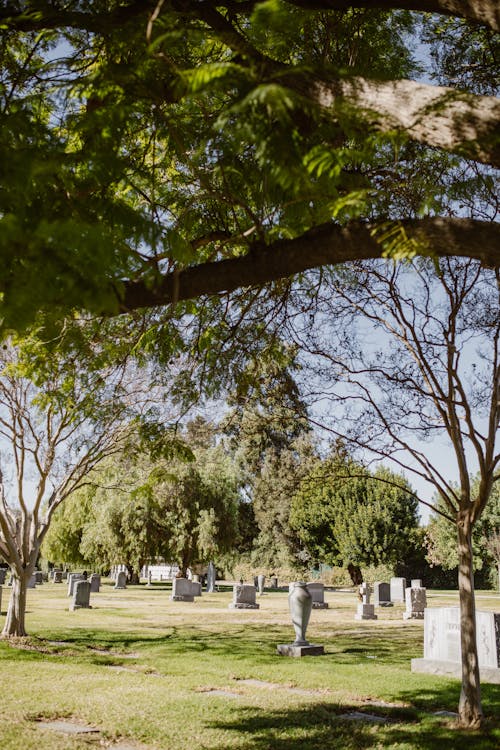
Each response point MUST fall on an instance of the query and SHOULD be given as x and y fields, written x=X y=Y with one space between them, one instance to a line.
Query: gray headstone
x=57 y=576
x=72 y=579
x=121 y=580
x=416 y=602
x=196 y=587
x=365 y=611
x=81 y=595
x=244 y=597
x=273 y=582
x=382 y=594
x=95 y=583
x=31 y=582
x=38 y=577
x=317 y=591
x=398 y=588
x=416 y=583
x=261 y=579
x=182 y=590
x=211 y=575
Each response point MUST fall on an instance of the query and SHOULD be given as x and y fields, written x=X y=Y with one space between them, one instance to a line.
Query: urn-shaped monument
x=300 y=603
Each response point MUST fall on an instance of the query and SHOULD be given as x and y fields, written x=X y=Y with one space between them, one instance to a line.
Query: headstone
x=32 y=582
x=211 y=576
x=416 y=602
x=300 y=605
x=57 y=576
x=72 y=579
x=366 y=611
x=81 y=595
x=416 y=583
x=182 y=590
x=244 y=597
x=261 y=580
x=3 y=573
x=274 y=582
x=382 y=595
x=196 y=586
x=121 y=580
x=150 y=578
x=317 y=591
x=195 y=578
x=95 y=583
x=38 y=577
x=442 y=647
x=398 y=587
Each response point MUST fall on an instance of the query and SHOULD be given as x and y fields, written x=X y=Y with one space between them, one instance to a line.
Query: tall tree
x=63 y=408
x=411 y=353
x=344 y=515
x=155 y=152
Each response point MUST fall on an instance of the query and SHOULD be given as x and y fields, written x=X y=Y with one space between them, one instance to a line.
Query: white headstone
x=365 y=611
x=398 y=588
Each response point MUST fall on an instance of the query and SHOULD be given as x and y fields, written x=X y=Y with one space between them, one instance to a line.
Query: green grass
x=140 y=667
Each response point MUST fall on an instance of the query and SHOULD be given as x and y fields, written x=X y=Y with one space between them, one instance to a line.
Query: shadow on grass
x=320 y=726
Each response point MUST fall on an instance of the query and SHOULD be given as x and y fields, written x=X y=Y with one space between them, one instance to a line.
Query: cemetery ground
x=141 y=672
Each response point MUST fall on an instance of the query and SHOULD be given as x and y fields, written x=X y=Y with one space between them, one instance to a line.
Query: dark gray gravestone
x=95 y=583
x=81 y=596
x=382 y=595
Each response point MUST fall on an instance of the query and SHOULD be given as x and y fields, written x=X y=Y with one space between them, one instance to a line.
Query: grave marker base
x=290 y=649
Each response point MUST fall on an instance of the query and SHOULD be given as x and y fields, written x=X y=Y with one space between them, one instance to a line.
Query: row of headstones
x=244 y=596
x=414 y=596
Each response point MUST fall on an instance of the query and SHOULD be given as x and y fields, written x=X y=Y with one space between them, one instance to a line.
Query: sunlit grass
x=142 y=667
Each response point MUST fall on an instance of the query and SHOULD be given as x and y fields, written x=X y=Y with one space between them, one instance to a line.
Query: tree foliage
x=153 y=153
x=345 y=515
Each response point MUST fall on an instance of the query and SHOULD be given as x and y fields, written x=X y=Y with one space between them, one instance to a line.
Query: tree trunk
x=469 y=707
x=15 y=620
x=355 y=573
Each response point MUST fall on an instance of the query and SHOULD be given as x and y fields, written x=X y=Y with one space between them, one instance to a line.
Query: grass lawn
x=149 y=673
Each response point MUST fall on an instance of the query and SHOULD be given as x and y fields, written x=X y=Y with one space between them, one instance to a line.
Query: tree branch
x=328 y=244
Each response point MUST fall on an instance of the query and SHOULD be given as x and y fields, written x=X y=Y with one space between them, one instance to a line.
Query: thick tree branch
x=438 y=116
x=328 y=244
x=486 y=12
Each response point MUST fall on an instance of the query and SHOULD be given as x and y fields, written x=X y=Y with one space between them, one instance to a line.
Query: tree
x=179 y=503
x=270 y=436
x=441 y=536
x=154 y=153
x=411 y=353
x=63 y=409
x=344 y=515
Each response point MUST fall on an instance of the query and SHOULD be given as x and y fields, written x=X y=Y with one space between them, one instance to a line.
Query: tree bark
x=326 y=244
x=355 y=573
x=15 y=621
x=469 y=708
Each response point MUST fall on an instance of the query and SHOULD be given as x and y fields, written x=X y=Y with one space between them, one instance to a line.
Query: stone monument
x=398 y=587
x=300 y=603
x=211 y=576
x=442 y=647
x=366 y=611
x=382 y=594
x=261 y=580
x=95 y=583
x=121 y=580
x=57 y=575
x=244 y=597
x=182 y=590
x=317 y=591
x=416 y=602
x=81 y=596
x=72 y=579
